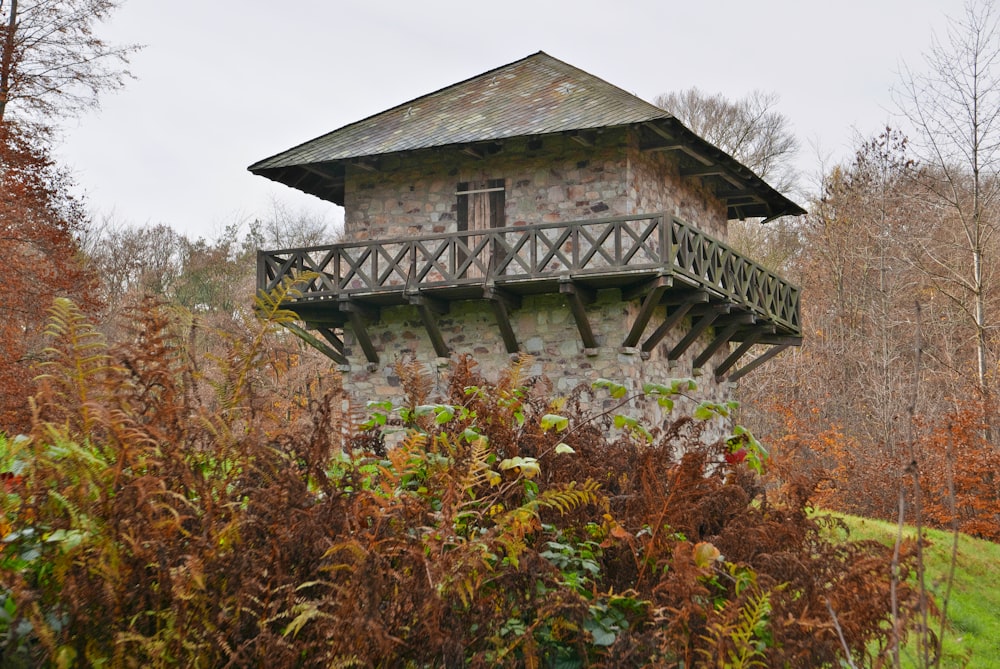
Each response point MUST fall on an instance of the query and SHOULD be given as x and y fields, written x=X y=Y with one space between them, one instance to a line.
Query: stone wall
x=548 y=180
x=656 y=185
x=546 y=330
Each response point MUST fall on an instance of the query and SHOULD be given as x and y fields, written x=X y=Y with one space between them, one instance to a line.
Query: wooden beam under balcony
x=775 y=349
x=356 y=314
x=749 y=340
x=652 y=292
x=578 y=297
x=711 y=313
x=427 y=307
x=502 y=303
x=680 y=309
x=724 y=331
x=335 y=352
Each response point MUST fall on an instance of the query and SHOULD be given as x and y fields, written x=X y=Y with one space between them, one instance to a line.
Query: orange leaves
x=38 y=219
x=705 y=554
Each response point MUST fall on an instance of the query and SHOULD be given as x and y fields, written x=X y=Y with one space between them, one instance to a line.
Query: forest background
x=896 y=382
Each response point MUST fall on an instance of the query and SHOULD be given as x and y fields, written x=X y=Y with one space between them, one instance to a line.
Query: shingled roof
x=532 y=97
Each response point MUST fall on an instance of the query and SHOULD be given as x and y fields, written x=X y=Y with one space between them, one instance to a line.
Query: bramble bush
x=163 y=511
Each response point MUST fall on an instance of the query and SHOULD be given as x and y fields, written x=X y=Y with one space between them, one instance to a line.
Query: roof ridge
x=401 y=106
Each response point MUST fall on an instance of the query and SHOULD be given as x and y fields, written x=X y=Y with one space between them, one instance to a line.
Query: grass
x=972 y=637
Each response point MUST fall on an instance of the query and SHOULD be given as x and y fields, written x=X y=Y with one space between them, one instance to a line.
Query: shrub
x=163 y=512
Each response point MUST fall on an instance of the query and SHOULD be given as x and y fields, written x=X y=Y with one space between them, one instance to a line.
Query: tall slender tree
x=954 y=107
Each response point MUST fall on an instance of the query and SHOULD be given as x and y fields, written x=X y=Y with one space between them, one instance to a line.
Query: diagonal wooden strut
x=428 y=307
x=578 y=297
x=502 y=303
x=356 y=314
x=752 y=338
x=722 y=336
x=758 y=361
x=673 y=318
x=333 y=352
x=705 y=322
x=653 y=291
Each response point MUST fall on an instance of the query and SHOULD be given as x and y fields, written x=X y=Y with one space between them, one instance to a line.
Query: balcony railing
x=604 y=252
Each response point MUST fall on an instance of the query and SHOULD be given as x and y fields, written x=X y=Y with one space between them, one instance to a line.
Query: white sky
x=224 y=83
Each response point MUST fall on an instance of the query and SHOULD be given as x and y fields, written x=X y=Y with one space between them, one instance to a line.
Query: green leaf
x=602 y=637
x=562 y=448
x=443 y=414
x=551 y=420
x=529 y=467
x=617 y=390
x=471 y=434
x=704 y=412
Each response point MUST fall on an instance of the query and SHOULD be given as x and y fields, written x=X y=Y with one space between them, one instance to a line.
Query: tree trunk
x=7 y=58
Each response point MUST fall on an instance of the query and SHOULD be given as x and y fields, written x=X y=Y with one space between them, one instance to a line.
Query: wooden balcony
x=657 y=259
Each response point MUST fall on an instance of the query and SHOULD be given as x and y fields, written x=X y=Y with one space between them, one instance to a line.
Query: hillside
x=973 y=608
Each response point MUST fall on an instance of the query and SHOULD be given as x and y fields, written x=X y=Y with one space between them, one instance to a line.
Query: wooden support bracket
x=578 y=297
x=331 y=336
x=502 y=303
x=697 y=329
x=653 y=291
x=335 y=353
x=722 y=336
x=758 y=361
x=356 y=314
x=428 y=307
x=752 y=338
x=673 y=318
x=757 y=335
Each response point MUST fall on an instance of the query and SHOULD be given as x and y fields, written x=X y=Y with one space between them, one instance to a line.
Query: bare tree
x=753 y=132
x=750 y=129
x=283 y=227
x=133 y=259
x=52 y=63
x=954 y=107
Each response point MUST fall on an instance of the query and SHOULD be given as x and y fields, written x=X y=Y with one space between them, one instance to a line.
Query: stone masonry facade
x=549 y=180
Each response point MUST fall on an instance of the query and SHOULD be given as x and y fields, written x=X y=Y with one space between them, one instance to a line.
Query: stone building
x=534 y=208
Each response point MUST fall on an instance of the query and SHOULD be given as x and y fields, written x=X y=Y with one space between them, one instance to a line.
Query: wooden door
x=481 y=207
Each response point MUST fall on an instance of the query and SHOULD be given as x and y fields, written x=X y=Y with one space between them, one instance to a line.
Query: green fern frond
x=513 y=547
x=77 y=361
x=569 y=497
x=740 y=638
x=270 y=306
x=478 y=471
x=303 y=612
x=515 y=523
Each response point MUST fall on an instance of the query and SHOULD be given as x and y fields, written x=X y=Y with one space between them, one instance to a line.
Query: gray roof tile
x=537 y=95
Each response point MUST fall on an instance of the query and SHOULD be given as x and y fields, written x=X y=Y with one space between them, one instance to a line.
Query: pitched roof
x=534 y=96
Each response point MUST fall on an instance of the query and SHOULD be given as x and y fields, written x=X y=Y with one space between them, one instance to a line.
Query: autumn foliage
x=164 y=511
x=38 y=220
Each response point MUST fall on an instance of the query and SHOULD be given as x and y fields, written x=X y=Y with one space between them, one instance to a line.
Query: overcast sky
x=224 y=83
